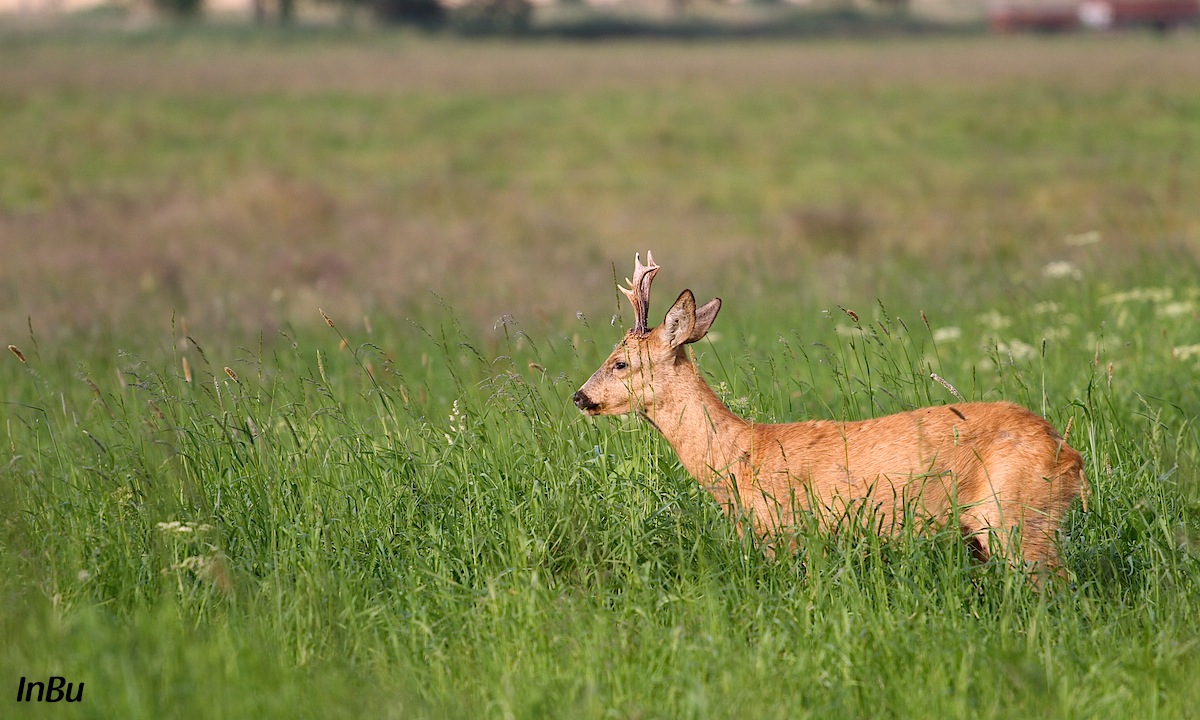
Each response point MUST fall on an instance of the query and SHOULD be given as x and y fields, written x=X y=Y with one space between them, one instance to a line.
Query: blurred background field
x=237 y=181
x=215 y=503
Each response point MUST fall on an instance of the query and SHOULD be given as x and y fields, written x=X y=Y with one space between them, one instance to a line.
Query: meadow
x=294 y=320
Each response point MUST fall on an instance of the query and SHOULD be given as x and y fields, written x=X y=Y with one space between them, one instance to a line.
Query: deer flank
x=995 y=467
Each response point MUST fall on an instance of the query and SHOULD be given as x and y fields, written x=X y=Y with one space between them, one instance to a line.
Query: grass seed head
x=946 y=384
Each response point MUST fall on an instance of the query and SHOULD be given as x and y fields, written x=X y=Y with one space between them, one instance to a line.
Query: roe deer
x=1000 y=466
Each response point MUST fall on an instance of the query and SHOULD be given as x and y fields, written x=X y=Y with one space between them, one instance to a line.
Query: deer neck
x=707 y=436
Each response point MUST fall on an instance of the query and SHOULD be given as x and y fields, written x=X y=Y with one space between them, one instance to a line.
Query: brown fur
x=1000 y=466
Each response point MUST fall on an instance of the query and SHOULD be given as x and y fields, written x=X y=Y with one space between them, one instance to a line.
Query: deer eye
x=620 y=365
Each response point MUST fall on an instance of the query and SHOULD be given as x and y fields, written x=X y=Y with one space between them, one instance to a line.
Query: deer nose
x=583 y=402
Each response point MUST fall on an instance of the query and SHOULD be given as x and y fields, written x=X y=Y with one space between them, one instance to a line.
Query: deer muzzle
x=584 y=403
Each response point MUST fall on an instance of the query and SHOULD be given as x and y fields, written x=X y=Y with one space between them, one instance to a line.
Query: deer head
x=646 y=361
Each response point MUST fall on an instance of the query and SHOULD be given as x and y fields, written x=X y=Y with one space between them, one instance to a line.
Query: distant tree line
x=465 y=16
x=510 y=16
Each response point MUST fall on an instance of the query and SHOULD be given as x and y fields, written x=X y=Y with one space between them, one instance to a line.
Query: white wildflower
x=176 y=526
x=947 y=334
x=1154 y=295
x=1061 y=269
x=993 y=320
x=458 y=424
x=1046 y=307
x=1185 y=352
x=1017 y=349
x=1177 y=309
x=195 y=563
x=458 y=419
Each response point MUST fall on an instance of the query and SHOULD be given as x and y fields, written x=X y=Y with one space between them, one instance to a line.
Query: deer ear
x=705 y=315
x=680 y=322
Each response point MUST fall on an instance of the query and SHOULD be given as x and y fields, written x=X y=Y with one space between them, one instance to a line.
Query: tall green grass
x=415 y=521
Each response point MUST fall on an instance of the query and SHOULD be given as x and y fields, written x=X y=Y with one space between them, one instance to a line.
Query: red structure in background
x=1059 y=16
x=1044 y=17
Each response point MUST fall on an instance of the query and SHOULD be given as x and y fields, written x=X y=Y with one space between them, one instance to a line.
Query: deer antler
x=638 y=291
